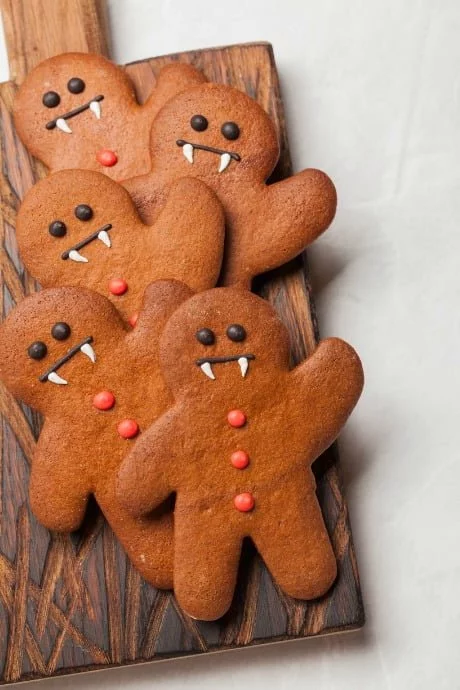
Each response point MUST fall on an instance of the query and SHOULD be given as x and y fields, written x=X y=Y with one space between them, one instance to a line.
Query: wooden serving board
x=70 y=604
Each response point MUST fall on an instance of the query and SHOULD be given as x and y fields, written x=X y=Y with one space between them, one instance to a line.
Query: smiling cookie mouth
x=83 y=346
x=205 y=363
x=60 y=122
x=102 y=234
x=225 y=156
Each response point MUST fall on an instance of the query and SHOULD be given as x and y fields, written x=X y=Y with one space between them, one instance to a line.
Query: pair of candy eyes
x=230 y=130
x=38 y=349
x=235 y=332
x=58 y=229
x=51 y=99
x=62 y=330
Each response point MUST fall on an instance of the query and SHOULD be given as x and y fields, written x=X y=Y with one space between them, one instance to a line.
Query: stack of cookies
x=165 y=383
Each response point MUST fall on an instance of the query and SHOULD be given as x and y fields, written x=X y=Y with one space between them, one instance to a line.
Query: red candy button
x=104 y=400
x=107 y=158
x=133 y=319
x=239 y=459
x=128 y=428
x=118 y=286
x=244 y=502
x=236 y=418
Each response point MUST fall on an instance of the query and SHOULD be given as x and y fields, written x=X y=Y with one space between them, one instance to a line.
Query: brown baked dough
x=79 y=228
x=267 y=225
x=115 y=123
x=80 y=447
x=237 y=448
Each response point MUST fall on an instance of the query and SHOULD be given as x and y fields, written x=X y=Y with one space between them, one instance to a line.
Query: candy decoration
x=244 y=502
x=118 y=286
x=107 y=158
x=236 y=418
x=61 y=330
x=239 y=459
x=76 y=85
x=128 y=428
x=133 y=319
x=104 y=400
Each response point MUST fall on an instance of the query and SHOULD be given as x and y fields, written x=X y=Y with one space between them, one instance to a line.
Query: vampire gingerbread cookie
x=78 y=227
x=223 y=137
x=67 y=353
x=79 y=110
x=237 y=448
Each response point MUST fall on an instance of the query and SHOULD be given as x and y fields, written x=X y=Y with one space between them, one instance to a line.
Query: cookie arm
x=58 y=489
x=160 y=300
x=288 y=216
x=172 y=80
x=148 y=194
x=190 y=235
x=147 y=475
x=329 y=384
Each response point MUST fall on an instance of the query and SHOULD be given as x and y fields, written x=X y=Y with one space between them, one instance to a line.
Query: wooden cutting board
x=76 y=604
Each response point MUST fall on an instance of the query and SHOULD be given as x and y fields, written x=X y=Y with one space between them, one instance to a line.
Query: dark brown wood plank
x=38 y=29
x=90 y=610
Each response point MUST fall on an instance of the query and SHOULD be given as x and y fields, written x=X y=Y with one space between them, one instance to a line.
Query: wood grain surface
x=71 y=604
x=37 y=29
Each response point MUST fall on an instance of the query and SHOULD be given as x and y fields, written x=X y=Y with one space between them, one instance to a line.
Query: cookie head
x=52 y=342
x=67 y=227
x=216 y=133
x=67 y=98
x=223 y=339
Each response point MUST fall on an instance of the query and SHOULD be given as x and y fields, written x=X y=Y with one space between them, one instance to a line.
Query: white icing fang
x=104 y=237
x=187 y=150
x=63 y=126
x=55 y=378
x=244 y=364
x=88 y=351
x=224 y=161
x=207 y=369
x=76 y=256
x=95 y=108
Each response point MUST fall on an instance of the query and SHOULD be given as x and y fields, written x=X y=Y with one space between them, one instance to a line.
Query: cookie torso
x=216 y=473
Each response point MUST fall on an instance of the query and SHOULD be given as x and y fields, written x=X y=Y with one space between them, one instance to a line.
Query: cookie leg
x=294 y=544
x=206 y=559
x=147 y=541
x=58 y=500
x=149 y=545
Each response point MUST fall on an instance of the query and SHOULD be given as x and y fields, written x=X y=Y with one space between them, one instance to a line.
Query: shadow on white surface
x=276 y=659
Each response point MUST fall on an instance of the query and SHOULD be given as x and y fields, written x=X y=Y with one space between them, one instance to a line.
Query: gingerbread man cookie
x=79 y=228
x=67 y=353
x=223 y=137
x=237 y=447
x=79 y=110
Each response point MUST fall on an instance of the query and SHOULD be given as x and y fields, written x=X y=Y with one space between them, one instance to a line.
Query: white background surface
x=372 y=91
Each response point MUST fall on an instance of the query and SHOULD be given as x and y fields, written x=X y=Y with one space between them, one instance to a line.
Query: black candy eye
x=57 y=228
x=83 y=212
x=199 y=123
x=230 y=130
x=205 y=336
x=37 y=350
x=236 y=332
x=76 y=85
x=51 y=99
x=60 y=330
